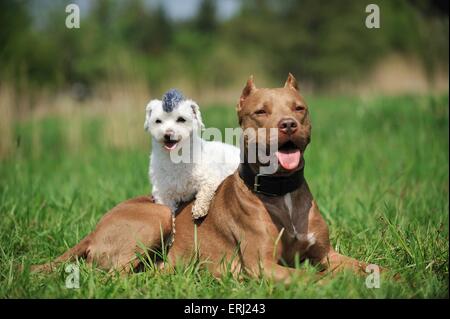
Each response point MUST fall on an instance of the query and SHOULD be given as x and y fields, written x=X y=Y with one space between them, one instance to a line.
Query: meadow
x=378 y=168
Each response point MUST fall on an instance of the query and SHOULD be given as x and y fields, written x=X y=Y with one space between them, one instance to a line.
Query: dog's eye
x=158 y=121
x=181 y=120
x=260 y=112
x=299 y=108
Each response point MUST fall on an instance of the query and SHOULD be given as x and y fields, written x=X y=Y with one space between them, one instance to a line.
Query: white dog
x=175 y=124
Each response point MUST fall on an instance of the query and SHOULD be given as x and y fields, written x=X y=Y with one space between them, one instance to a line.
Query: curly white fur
x=174 y=183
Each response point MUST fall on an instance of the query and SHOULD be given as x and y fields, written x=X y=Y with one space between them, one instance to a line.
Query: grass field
x=378 y=168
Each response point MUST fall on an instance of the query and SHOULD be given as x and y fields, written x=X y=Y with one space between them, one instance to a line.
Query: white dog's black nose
x=168 y=135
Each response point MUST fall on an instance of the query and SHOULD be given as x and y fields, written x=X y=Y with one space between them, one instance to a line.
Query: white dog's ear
x=148 y=113
x=197 y=116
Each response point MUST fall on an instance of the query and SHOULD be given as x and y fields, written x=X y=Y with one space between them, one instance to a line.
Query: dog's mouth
x=289 y=156
x=170 y=144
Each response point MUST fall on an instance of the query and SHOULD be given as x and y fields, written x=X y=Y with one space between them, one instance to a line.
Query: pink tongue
x=289 y=159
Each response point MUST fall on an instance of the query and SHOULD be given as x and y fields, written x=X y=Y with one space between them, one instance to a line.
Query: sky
x=181 y=9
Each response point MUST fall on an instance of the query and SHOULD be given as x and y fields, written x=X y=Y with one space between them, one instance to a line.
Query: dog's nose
x=168 y=135
x=287 y=126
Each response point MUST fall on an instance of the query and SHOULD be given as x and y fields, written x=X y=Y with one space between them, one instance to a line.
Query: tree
x=206 y=20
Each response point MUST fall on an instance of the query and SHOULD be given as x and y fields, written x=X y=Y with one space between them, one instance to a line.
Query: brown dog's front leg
x=334 y=261
x=282 y=274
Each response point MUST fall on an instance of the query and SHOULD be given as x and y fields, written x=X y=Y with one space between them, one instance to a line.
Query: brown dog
x=255 y=223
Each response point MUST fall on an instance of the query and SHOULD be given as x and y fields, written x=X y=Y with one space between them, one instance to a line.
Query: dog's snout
x=168 y=135
x=287 y=125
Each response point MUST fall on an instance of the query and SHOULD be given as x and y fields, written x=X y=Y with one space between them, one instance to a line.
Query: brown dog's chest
x=290 y=213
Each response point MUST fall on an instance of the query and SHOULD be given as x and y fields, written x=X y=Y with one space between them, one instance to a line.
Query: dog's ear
x=248 y=89
x=148 y=113
x=197 y=116
x=291 y=82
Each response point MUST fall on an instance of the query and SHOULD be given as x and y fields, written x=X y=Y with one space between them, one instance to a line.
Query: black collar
x=268 y=184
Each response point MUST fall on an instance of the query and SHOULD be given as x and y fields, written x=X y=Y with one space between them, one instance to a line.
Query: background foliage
x=122 y=40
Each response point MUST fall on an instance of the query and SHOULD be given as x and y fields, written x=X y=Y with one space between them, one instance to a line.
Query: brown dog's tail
x=80 y=250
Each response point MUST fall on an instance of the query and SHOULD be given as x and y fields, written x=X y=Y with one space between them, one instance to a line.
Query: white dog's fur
x=174 y=183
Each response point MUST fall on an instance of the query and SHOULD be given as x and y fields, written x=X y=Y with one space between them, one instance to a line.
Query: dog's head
x=285 y=111
x=172 y=120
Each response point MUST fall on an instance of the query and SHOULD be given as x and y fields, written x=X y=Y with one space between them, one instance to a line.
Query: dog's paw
x=199 y=211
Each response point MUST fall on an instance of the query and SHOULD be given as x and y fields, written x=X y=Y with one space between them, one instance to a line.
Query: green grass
x=377 y=168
